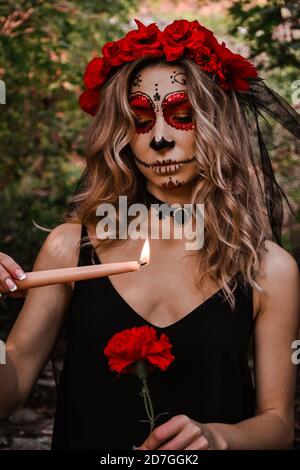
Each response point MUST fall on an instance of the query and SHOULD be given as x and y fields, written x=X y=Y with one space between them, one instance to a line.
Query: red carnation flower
x=138 y=350
x=129 y=346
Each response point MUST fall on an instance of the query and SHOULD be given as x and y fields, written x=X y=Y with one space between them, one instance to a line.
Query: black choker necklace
x=181 y=215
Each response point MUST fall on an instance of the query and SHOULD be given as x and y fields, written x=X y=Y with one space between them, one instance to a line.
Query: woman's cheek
x=189 y=171
x=140 y=147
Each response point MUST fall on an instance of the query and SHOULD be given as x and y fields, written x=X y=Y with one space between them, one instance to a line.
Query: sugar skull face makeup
x=176 y=110
x=163 y=144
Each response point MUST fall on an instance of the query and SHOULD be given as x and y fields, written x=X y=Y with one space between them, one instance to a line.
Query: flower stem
x=146 y=404
x=141 y=372
x=148 y=397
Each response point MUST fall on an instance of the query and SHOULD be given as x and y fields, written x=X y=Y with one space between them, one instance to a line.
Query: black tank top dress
x=209 y=380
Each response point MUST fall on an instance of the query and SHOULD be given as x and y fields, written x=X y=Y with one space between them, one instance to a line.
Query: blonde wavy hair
x=230 y=189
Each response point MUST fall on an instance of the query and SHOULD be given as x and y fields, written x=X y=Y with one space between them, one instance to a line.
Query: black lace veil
x=261 y=100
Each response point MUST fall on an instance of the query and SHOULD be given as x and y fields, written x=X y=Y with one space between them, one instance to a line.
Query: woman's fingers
x=200 y=443
x=6 y=280
x=188 y=434
x=9 y=271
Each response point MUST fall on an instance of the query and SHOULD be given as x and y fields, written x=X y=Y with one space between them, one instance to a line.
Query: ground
x=31 y=427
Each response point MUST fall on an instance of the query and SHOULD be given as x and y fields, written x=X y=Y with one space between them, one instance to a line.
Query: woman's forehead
x=164 y=78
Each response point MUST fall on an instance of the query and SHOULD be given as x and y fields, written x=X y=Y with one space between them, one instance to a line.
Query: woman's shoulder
x=62 y=245
x=278 y=273
x=67 y=229
x=277 y=261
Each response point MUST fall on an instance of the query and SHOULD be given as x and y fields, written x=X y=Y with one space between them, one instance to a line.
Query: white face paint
x=163 y=145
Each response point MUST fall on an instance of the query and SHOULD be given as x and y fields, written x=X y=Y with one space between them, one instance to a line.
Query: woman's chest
x=99 y=311
x=165 y=290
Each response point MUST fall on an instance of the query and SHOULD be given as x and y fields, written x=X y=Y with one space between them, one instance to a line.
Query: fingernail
x=20 y=274
x=11 y=285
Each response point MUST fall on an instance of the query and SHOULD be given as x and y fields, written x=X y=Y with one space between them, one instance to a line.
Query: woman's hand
x=182 y=432
x=9 y=271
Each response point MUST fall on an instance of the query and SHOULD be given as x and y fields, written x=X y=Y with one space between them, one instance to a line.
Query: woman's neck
x=181 y=194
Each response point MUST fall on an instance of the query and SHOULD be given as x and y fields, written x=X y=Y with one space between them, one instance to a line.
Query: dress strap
x=86 y=254
x=83 y=230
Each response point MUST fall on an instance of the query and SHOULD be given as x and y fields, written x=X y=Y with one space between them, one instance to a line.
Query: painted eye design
x=177 y=111
x=144 y=113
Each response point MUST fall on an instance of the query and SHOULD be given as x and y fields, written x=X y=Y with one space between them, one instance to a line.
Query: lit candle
x=80 y=273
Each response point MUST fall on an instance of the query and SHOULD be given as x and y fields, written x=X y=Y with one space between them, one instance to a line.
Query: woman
x=172 y=132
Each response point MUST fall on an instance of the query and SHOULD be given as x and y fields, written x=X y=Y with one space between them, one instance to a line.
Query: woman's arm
x=37 y=326
x=276 y=328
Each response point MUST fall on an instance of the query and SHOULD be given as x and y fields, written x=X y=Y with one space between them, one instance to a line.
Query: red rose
x=209 y=38
x=95 y=73
x=235 y=70
x=115 y=53
x=143 y=36
x=144 y=40
x=180 y=35
x=127 y=347
x=135 y=44
x=89 y=100
x=111 y=49
x=204 y=57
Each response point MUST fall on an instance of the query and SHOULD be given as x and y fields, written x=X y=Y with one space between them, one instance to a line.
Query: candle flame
x=145 y=254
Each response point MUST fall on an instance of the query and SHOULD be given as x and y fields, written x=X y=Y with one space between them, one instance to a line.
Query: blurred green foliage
x=271 y=29
x=44 y=49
